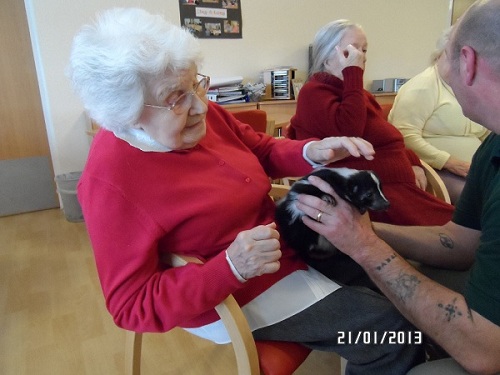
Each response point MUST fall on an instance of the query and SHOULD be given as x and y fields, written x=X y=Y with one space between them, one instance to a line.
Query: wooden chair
x=257 y=119
x=252 y=357
x=435 y=184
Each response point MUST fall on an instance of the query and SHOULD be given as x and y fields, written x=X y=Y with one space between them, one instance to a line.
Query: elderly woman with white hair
x=171 y=172
x=432 y=123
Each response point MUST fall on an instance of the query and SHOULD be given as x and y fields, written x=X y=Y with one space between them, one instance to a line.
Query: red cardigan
x=138 y=205
x=328 y=106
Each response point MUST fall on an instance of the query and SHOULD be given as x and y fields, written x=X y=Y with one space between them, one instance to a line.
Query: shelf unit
x=278 y=83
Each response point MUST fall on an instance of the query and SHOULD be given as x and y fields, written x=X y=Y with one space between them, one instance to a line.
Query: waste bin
x=66 y=187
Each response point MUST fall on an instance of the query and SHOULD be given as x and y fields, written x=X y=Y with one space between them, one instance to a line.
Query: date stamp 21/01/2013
x=375 y=337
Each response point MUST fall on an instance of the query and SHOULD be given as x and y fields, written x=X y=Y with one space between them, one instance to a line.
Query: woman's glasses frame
x=183 y=102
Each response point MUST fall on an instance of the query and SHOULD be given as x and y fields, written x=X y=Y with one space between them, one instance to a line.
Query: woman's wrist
x=234 y=270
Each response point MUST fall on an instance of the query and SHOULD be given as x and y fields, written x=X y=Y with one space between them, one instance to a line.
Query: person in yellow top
x=430 y=118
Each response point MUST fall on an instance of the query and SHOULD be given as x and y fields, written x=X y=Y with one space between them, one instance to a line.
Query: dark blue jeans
x=352 y=314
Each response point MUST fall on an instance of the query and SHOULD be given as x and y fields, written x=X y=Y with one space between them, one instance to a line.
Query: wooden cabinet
x=241 y=106
x=280 y=111
x=385 y=98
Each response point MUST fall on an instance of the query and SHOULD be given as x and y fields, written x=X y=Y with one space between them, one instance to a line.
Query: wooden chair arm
x=435 y=184
x=270 y=126
x=133 y=352
x=278 y=191
x=178 y=260
x=242 y=339
x=235 y=322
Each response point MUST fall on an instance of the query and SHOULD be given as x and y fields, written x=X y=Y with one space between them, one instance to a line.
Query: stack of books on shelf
x=228 y=91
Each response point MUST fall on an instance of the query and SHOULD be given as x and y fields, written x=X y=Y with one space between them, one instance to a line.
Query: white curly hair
x=113 y=59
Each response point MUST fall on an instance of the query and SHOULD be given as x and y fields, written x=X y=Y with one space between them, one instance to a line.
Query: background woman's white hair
x=325 y=41
x=441 y=45
x=112 y=60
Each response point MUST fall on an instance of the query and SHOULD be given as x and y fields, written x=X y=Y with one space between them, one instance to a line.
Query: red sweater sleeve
x=279 y=157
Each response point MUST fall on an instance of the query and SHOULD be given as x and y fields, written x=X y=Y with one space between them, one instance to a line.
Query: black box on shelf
x=388 y=84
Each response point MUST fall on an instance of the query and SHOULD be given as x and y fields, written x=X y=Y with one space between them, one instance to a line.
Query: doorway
x=26 y=173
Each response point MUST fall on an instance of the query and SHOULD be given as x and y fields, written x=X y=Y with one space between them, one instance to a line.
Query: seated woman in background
x=171 y=172
x=334 y=103
x=432 y=123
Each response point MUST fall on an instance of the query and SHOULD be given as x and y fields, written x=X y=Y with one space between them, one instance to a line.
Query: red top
x=139 y=204
x=328 y=106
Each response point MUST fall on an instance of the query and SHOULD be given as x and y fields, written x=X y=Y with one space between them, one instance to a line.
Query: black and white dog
x=361 y=188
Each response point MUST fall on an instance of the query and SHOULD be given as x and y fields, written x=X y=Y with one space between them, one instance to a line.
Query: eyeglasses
x=181 y=102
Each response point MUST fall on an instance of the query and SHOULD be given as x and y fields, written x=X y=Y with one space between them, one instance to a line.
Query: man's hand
x=341 y=223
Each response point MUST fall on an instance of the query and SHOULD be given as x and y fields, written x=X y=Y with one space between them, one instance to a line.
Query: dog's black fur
x=361 y=188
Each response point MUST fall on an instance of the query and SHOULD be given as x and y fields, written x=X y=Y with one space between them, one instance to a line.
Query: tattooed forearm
x=446 y=241
x=404 y=286
x=386 y=262
x=451 y=310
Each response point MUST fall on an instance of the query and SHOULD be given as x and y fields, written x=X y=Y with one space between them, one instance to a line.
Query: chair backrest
x=257 y=119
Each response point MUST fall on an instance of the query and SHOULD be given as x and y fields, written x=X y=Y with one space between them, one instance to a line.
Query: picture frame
x=213 y=19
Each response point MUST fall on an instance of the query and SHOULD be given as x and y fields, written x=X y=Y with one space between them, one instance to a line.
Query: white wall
x=401 y=36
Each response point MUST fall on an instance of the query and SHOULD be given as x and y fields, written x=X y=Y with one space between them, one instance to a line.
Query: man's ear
x=468 y=64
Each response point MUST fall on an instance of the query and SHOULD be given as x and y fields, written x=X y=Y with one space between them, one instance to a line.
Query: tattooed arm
x=449 y=246
x=468 y=337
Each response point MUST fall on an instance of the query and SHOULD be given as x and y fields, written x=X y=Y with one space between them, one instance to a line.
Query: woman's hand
x=351 y=56
x=456 y=166
x=332 y=149
x=420 y=178
x=342 y=58
x=256 y=251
